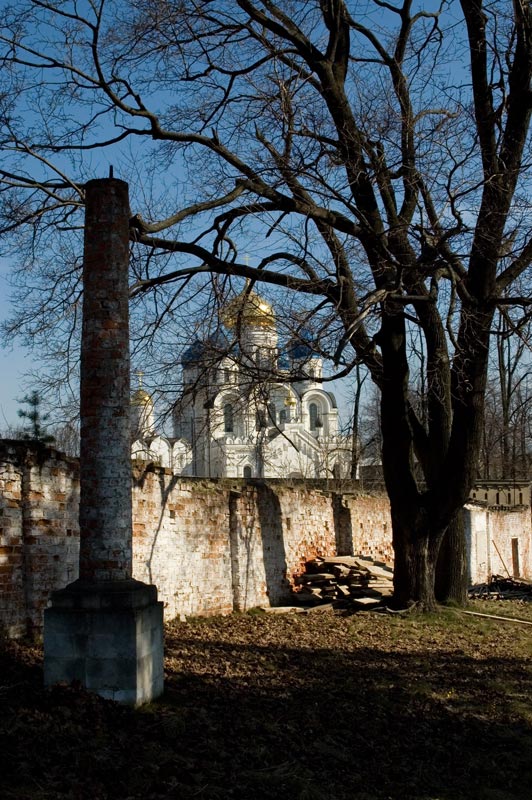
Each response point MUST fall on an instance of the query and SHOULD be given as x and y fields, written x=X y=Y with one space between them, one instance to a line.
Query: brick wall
x=210 y=546
x=181 y=541
x=12 y=592
x=39 y=498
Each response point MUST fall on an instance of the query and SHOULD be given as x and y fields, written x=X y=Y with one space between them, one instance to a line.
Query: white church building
x=247 y=408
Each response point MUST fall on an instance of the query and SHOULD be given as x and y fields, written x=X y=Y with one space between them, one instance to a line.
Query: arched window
x=315 y=419
x=272 y=413
x=228 y=418
x=247 y=472
x=283 y=415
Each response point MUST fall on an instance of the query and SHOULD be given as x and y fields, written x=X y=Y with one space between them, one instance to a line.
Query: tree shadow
x=343 y=526
x=165 y=491
x=264 y=720
x=274 y=555
x=364 y=724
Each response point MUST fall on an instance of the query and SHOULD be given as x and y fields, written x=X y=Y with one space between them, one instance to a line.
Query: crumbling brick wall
x=181 y=541
x=210 y=546
x=12 y=590
x=39 y=499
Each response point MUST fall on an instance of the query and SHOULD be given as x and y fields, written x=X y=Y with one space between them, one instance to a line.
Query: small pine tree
x=35 y=420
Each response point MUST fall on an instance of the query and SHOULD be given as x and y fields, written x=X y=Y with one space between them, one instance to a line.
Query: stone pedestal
x=108 y=635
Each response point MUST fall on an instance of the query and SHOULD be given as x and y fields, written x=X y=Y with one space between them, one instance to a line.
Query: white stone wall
x=499 y=542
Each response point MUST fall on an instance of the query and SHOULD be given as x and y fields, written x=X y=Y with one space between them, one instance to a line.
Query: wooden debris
x=500 y=588
x=344 y=579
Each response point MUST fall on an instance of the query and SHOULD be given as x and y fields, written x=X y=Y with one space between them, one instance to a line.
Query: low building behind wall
x=210 y=546
x=499 y=542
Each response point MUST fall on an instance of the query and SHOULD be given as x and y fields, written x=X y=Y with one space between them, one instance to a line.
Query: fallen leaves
x=306 y=706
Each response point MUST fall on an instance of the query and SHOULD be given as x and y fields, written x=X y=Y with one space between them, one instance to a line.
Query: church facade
x=247 y=409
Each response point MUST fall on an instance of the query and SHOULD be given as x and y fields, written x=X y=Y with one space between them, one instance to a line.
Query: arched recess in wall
x=248 y=472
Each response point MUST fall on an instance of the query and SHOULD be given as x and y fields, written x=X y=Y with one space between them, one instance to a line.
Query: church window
x=272 y=413
x=247 y=472
x=315 y=420
x=228 y=418
x=282 y=415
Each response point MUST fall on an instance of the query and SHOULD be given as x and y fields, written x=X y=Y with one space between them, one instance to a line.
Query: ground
x=307 y=707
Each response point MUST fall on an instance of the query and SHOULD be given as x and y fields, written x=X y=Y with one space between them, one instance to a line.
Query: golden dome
x=250 y=309
x=140 y=398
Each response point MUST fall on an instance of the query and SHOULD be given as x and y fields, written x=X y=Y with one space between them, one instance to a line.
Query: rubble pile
x=355 y=579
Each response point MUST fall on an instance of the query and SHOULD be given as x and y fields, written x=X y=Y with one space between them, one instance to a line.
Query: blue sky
x=12 y=367
x=15 y=362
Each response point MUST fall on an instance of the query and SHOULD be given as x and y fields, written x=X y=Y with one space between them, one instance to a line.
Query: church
x=248 y=408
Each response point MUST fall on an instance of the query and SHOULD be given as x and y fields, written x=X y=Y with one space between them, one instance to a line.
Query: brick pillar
x=105 y=630
x=105 y=452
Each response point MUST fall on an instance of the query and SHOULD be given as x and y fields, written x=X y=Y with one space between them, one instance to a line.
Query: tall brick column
x=105 y=452
x=105 y=630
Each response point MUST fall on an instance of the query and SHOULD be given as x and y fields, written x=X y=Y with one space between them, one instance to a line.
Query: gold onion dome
x=140 y=398
x=248 y=309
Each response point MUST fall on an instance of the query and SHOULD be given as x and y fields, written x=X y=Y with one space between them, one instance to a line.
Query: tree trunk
x=451 y=566
x=416 y=554
x=355 y=439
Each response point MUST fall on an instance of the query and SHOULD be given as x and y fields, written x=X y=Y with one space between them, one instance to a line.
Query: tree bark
x=416 y=553
x=451 y=566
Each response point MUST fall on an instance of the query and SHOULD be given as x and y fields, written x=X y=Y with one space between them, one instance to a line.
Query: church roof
x=193 y=354
x=200 y=350
x=301 y=348
x=140 y=398
x=248 y=309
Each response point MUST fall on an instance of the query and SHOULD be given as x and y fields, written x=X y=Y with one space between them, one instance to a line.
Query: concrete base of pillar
x=108 y=636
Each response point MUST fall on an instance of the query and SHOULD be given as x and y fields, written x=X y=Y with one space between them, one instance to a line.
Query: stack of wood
x=500 y=588
x=353 y=579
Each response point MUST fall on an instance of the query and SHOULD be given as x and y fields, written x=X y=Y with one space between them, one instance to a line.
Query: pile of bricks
x=355 y=579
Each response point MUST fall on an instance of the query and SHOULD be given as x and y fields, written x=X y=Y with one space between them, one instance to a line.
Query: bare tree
x=374 y=158
x=506 y=450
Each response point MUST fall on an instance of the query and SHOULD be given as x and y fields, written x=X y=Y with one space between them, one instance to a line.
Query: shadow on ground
x=264 y=719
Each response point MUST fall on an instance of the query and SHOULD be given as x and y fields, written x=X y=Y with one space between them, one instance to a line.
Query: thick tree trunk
x=416 y=555
x=451 y=566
